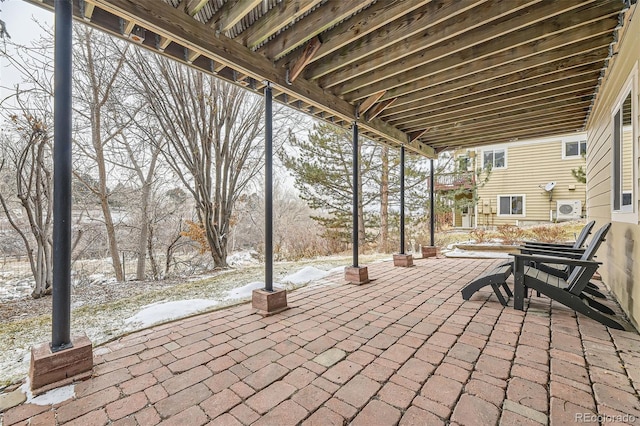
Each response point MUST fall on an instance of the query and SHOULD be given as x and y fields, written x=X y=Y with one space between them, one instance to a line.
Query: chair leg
x=507 y=289
x=594 y=292
x=496 y=290
x=597 y=305
x=576 y=303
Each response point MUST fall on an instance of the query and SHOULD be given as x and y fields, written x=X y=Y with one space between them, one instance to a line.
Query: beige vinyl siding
x=530 y=166
x=620 y=270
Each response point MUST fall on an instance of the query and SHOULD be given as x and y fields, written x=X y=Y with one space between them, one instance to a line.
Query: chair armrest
x=538 y=251
x=553 y=259
x=555 y=248
x=542 y=243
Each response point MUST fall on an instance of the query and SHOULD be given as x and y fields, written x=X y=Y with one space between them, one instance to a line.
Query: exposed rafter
x=277 y=18
x=314 y=24
x=417 y=135
x=231 y=13
x=307 y=54
x=378 y=15
x=470 y=71
x=194 y=6
x=368 y=103
x=392 y=39
x=511 y=25
x=378 y=108
x=88 y=10
x=508 y=48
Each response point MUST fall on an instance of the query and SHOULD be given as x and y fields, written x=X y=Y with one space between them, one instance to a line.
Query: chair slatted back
x=576 y=274
x=582 y=236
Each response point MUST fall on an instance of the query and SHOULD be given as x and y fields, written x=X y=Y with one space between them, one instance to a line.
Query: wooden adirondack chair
x=497 y=278
x=577 y=244
x=563 y=271
x=568 y=292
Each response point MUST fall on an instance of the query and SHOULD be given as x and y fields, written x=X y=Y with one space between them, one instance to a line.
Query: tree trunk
x=143 y=238
x=103 y=194
x=384 y=201
x=155 y=273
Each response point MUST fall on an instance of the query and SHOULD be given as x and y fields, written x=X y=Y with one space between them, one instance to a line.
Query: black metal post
x=61 y=314
x=402 y=244
x=355 y=193
x=432 y=207
x=268 y=188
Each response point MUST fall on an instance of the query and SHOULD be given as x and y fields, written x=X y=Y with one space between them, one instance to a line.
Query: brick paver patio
x=404 y=349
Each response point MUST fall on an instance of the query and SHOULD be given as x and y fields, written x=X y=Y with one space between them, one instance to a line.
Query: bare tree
x=102 y=114
x=29 y=157
x=213 y=131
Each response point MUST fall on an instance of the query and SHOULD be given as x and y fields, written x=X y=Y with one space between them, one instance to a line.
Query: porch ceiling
x=433 y=75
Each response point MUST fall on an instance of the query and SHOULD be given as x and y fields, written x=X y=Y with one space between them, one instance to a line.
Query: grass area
x=102 y=322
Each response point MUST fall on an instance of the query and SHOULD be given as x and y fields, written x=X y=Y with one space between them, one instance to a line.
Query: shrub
x=510 y=234
x=479 y=235
x=548 y=234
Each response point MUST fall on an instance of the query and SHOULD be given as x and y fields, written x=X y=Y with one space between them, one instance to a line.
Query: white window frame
x=524 y=205
x=630 y=86
x=493 y=151
x=577 y=140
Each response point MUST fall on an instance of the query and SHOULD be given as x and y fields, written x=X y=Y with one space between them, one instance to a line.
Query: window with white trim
x=574 y=149
x=511 y=205
x=623 y=162
x=495 y=158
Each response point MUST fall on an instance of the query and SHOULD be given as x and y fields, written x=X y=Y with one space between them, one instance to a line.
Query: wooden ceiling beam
x=490 y=88
x=486 y=102
x=231 y=13
x=314 y=24
x=358 y=26
x=88 y=10
x=417 y=23
x=194 y=6
x=368 y=103
x=191 y=55
x=417 y=135
x=274 y=20
x=548 y=35
x=550 y=102
x=512 y=61
x=527 y=120
x=486 y=34
x=307 y=54
x=377 y=109
x=498 y=136
x=533 y=69
x=163 y=43
x=127 y=27
x=166 y=21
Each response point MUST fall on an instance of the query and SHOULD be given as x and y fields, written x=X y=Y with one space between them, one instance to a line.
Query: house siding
x=621 y=248
x=530 y=166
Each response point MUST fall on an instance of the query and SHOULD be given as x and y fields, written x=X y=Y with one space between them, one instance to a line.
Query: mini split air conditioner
x=568 y=209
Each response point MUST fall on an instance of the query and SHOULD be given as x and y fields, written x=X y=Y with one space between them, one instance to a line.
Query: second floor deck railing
x=451 y=181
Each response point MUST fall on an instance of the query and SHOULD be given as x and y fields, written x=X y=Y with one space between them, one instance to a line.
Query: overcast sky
x=20 y=18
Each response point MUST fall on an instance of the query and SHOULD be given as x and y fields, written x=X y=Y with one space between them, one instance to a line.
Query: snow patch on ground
x=245 y=291
x=243 y=258
x=54 y=396
x=476 y=254
x=336 y=270
x=164 y=311
x=306 y=275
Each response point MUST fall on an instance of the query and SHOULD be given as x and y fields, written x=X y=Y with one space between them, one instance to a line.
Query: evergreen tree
x=322 y=167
